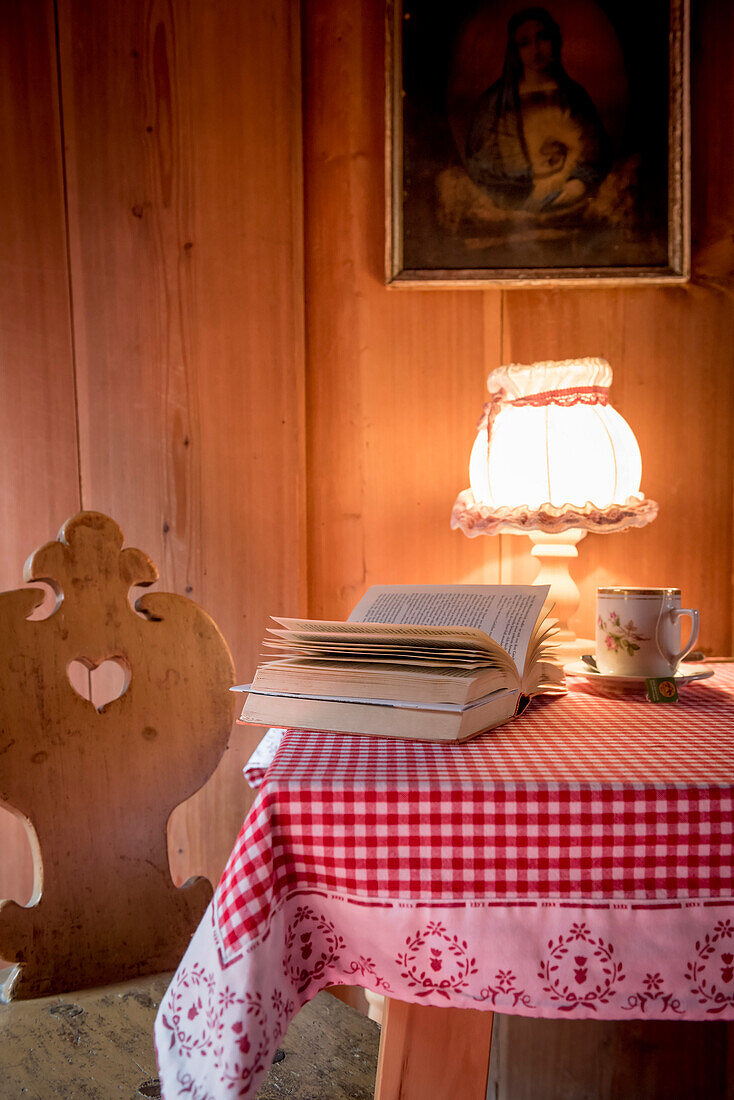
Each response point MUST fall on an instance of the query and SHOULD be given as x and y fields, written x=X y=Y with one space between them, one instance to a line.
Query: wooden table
x=577 y=863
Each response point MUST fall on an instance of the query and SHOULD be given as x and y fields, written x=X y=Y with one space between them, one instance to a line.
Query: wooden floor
x=89 y=1045
x=98 y=1044
x=330 y=1054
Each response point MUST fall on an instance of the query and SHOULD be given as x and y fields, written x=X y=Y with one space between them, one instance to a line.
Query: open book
x=427 y=662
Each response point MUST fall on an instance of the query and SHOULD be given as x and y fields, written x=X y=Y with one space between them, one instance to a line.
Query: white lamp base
x=554 y=554
x=570 y=652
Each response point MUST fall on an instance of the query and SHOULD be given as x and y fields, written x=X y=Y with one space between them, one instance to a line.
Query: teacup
x=638 y=631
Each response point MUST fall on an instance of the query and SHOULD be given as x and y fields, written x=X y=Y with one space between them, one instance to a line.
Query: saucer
x=581 y=668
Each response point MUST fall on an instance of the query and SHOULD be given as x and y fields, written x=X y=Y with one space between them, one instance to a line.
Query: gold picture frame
x=502 y=171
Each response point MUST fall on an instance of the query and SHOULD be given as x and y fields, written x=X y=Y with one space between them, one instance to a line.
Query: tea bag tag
x=661 y=689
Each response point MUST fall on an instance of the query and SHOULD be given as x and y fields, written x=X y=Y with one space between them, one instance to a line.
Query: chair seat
x=99 y=1043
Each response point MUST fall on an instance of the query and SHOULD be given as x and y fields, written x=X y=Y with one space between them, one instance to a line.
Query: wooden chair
x=95 y=782
x=110 y=717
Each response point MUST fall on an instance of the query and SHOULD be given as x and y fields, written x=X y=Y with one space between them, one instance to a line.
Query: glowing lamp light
x=554 y=460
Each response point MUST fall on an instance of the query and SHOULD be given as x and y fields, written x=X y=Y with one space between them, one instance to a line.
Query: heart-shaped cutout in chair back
x=99 y=682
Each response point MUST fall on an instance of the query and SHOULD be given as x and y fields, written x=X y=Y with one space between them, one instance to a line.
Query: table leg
x=441 y=1053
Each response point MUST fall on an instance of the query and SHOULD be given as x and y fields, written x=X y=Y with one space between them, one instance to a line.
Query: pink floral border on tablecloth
x=219 y=1025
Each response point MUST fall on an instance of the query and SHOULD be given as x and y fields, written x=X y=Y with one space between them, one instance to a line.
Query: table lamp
x=554 y=460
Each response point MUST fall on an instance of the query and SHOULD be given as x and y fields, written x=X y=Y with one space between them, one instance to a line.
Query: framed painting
x=534 y=145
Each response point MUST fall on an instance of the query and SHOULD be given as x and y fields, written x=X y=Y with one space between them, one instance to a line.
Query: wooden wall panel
x=712 y=32
x=395 y=382
x=672 y=354
x=182 y=122
x=596 y=1060
x=39 y=485
x=395 y=379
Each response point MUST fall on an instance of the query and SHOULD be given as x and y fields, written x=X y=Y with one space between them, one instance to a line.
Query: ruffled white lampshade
x=552 y=454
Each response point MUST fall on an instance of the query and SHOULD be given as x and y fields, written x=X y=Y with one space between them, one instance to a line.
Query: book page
x=398 y=704
x=507 y=613
x=416 y=660
x=325 y=630
x=315 y=636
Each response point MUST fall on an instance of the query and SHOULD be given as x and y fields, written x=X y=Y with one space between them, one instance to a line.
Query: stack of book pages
x=432 y=663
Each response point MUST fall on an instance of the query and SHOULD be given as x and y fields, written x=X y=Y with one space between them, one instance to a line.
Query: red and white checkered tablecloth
x=577 y=861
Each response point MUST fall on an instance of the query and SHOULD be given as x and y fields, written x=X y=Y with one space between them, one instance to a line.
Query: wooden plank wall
x=395 y=384
x=152 y=330
x=396 y=377
x=672 y=353
x=183 y=300
x=39 y=485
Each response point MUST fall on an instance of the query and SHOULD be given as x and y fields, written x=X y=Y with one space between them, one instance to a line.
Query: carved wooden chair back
x=95 y=784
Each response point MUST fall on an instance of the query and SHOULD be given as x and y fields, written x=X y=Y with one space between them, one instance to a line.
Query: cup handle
x=677 y=613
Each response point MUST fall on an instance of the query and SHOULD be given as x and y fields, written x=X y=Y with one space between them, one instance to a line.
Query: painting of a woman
x=535 y=141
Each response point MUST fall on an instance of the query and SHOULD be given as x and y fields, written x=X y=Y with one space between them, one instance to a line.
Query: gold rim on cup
x=612 y=591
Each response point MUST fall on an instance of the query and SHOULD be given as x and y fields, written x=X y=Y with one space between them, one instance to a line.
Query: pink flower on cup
x=619 y=637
